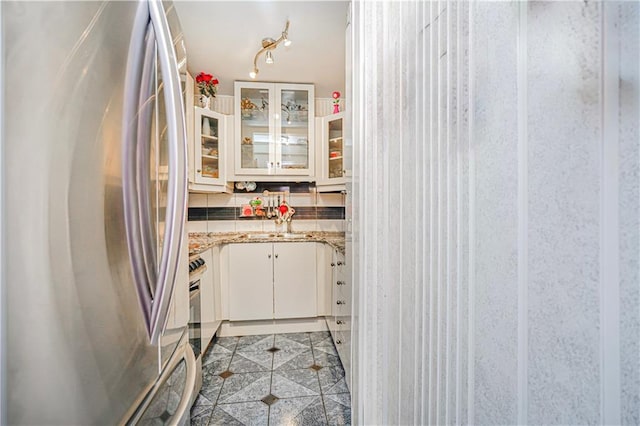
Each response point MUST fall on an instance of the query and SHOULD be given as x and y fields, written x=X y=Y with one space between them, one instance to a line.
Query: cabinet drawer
x=344 y=352
x=342 y=341
x=342 y=301
x=342 y=323
x=331 y=324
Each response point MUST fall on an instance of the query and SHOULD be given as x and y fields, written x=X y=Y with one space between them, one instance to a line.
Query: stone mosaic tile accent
x=324 y=359
x=332 y=380
x=245 y=387
x=248 y=362
x=292 y=383
x=255 y=343
x=297 y=411
x=293 y=360
x=337 y=412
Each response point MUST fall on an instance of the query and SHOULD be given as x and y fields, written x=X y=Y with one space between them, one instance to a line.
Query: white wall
x=496 y=212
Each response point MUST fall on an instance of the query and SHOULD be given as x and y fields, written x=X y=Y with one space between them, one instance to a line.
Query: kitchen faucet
x=279 y=210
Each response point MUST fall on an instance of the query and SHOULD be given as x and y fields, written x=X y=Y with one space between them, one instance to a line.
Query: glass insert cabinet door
x=335 y=148
x=292 y=153
x=274 y=128
x=209 y=146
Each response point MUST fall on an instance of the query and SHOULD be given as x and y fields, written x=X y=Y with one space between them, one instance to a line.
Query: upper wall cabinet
x=274 y=130
x=209 y=148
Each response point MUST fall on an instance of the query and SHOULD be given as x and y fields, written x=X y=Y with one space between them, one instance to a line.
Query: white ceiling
x=222 y=37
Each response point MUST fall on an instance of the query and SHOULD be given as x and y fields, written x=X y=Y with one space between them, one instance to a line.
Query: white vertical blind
x=496 y=212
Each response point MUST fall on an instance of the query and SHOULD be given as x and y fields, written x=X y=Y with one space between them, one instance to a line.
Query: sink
x=259 y=236
x=287 y=235
x=284 y=236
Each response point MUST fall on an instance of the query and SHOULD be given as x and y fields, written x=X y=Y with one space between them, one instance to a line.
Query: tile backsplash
x=221 y=212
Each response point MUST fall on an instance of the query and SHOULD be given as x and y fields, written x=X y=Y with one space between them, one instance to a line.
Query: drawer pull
x=340 y=263
x=269 y=256
x=338 y=342
x=333 y=264
x=340 y=283
x=339 y=322
x=340 y=302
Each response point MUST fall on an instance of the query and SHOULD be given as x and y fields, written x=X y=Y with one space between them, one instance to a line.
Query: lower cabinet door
x=343 y=345
x=250 y=281
x=294 y=283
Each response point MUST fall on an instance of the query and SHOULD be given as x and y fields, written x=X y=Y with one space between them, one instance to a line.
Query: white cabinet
x=332 y=167
x=250 y=281
x=294 y=280
x=339 y=322
x=274 y=130
x=272 y=281
x=209 y=157
x=210 y=296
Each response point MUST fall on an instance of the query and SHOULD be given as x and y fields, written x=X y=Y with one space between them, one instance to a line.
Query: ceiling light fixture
x=268 y=45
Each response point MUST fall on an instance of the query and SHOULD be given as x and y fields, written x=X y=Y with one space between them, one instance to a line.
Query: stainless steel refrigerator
x=95 y=279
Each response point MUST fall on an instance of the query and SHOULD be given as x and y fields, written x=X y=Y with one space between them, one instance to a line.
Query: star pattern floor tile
x=247 y=382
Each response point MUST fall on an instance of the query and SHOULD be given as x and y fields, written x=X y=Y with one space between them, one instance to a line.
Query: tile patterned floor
x=281 y=379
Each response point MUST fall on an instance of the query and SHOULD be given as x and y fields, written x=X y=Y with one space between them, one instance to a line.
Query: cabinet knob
x=278 y=165
x=340 y=263
x=199 y=171
x=338 y=342
x=269 y=256
x=339 y=322
x=340 y=302
x=340 y=283
x=276 y=256
x=333 y=264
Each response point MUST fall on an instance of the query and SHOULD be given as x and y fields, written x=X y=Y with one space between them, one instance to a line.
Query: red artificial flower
x=204 y=78
x=335 y=95
x=207 y=84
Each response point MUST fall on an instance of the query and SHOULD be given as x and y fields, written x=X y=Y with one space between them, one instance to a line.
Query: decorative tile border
x=233 y=213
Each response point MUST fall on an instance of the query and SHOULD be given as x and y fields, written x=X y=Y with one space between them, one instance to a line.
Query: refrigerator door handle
x=145 y=411
x=183 y=412
x=177 y=182
x=154 y=290
x=143 y=165
x=131 y=132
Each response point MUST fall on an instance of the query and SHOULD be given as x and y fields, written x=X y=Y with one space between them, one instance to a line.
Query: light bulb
x=269 y=59
x=287 y=42
x=252 y=74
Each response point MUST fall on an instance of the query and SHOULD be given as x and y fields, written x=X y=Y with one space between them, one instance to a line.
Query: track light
x=268 y=45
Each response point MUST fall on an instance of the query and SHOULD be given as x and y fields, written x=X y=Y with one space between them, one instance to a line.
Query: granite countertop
x=201 y=241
